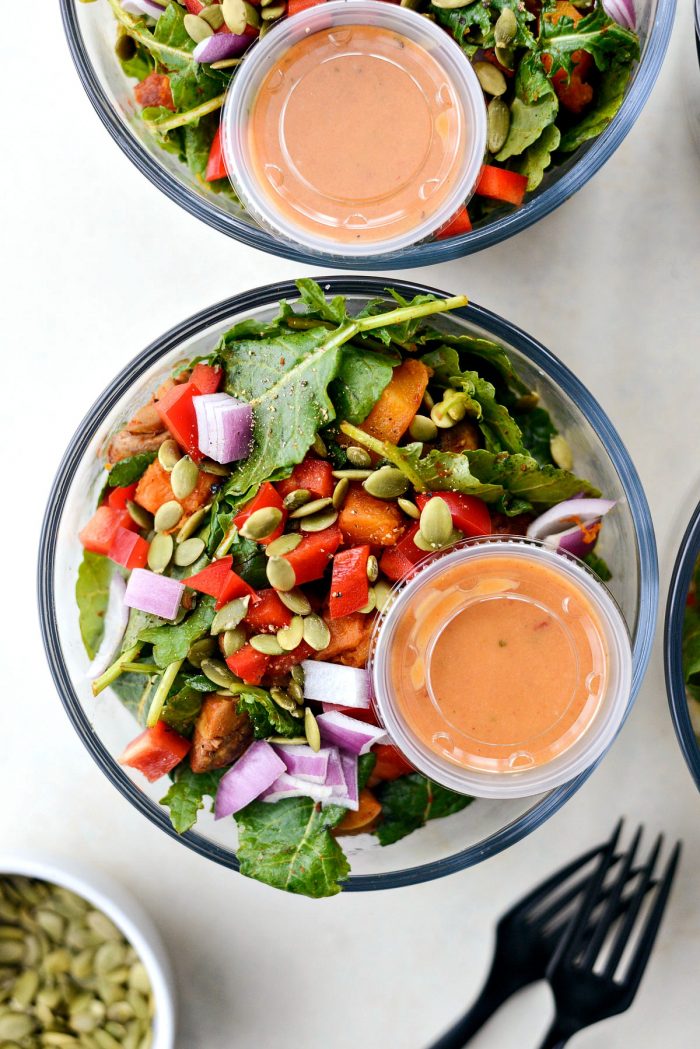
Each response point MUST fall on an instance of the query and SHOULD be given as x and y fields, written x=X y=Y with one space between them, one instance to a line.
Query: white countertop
x=97 y=263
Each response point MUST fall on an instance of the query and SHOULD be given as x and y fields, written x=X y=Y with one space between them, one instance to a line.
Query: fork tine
x=577 y=926
x=564 y=899
x=610 y=911
x=635 y=906
x=646 y=941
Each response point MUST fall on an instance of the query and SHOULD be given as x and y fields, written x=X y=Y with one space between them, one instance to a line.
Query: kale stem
x=409 y=313
x=112 y=673
x=386 y=451
x=189 y=117
x=226 y=543
x=139 y=668
x=161 y=693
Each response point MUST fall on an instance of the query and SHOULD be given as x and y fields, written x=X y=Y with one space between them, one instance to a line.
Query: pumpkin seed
x=197 y=29
x=309 y=508
x=200 y=650
x=266 y=643
x=168 y=454
x=187 y=552
x=252 y=16
x=16 y=1025
x=184 y=477
x=436 y=522
x=561 y=452
x=218 y=673
x=409 y=508
x=289 y=637
x=228 y=617
x=296 y=691
x=340 y=493
x=270 y=13
x=498 y=122
x=296 y=601
x=352 y=475
x=121 y=1012
x=423 y=544
x=422 y=428
x=317 y=522
x=284 y=545
x=297 y=673
x=319 y=446
x=440 y=417
x=448 y=4
x=52 y=924
x=491 y=78
x=293 y=500
x=160 y=551
x=108 y=957
x=386 y=483
x=382 y=594
x=11 y=951
x=316 y=632
x=139 y=516
x=167 y=516
x=312 y=730
x=191 y=525
x=505 y=56
x=505 y=28
x=371 y=602
x=208 y=466
x=283 y=701
x=233 y=641
x=457 y=407
x=262 y=523
x=288 y=741
x=372 y=568
x=26 y=986
x=280 y=573
x=138 y=978
x=213 y=16
x=358 y=456
x=105 y=1040
x=428 y=401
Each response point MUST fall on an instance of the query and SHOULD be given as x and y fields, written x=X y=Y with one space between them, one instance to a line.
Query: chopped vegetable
x=224 y=427
x=348 y=686
x=156 y=751
x=176 y=410
x=154 y=489
x=159 y=595
x=118 y=497
x=216 y=166
x=365 y=519
x=314 y=475
x=398 y=402
x=349 y=582
x=266 y=614
x=221 y=46
x=267 y=497
x=311 y=557
x=348 y=733
x=98 y=534
x=248 y=664
x=501 y=184
x=390 y=763
x=128 y=549
x=364 y=819
x=245 y=781
x=470 y=515
x=220 y=581
x=458 y=224
x=305 y=763
x=286 y=786
x=206 y=377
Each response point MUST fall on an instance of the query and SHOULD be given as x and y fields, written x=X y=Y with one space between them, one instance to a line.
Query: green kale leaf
x=472 y=25
x=536 y=159
x=525 y=483
x=172 y=642
x=185 y=798
x=268 y=719
x=180 y=710
x=128 y=470
x=600 y=568
x=602 y=37
x=410 y=801
x=534 y=107
x=537 y=431
x=455 y=352
x=362 y=376
x=135 y=692
x=609 y=96
x=92 y=597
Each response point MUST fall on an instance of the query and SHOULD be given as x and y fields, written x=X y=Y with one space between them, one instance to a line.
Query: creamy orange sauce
x=356 y=134
x=498 y=663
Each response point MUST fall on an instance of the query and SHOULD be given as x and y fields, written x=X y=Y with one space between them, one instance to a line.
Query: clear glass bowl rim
x=420 y=254
x=270 y=294
x=688 y=552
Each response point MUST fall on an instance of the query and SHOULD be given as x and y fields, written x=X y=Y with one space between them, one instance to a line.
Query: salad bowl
x=442 y=846
x=91 y=33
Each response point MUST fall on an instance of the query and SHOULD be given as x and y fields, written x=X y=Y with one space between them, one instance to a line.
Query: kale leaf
x=362 y=376
x=526 y=484
x=268 y=719
x=410 y=801
x=172 y=642
x=597 y=34
x=92 y=597
x=537 y=158
x=600 y=568
x=128 y=470
x=534 y=107
x=180 y=709
x=537 y=431
x=611 y=92
x=185 y=798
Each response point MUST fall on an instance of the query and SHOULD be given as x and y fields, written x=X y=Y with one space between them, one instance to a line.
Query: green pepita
x=266 y=643
x=280 y=573
x=11 y=951
x=293 y=500
x=358 y=456
x=296 y=601
x=208 y=466
x=309 y=508
x=340 y=493
x=189 y=551
x=352 y=475
x=505 y=28
x=372 y=568
x=197 y=29
x=288 y=741
x=491 y=78
x=26 y=986
x=316 y=632
x=382 y=594
x=436 y=522
x=289 y=637
x=296 y=691
x=16 y=1025
x=386 y=483
x=311 y=729
x=371 y=602
x=422 y=543
x=270 y=13
x=218 y=673
x=498 y=123
x=409 y=508
x=233 y=641
x=317 y=522
x=319 y=446
x=191 y=525
x=505 y=56
x=168 y=454
x=439 y=415
x=422 y=428
x=202 y=649
x=160 y=552
x=262 y=523
x=184 y=477
x=228 y=617
x=167 y=516
x=283 y=701
x=139 y=516
x=298 y=674
x=213 y=16
x=284 y=545
x=561 y=452
x=234 y=13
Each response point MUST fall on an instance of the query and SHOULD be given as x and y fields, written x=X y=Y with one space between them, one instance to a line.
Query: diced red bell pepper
x=220 y=581
x=469 y=513
x=156 y=751
x=233 y=587
x=98 y=534
x=316 y=475
x=500 y=184
x=310 y=559
x=194 y=7
x=349 y=583
x=295 y=6
x=248 y=664
x=216 y=167
x=459 y=223
x=118 y=497
x=267 y=496
x=177 y=413
x=206 y=377
x=279 y=666
x=267 y=614
x=390 y=763
x=394 y=564
x=155 y=90
x=128 y=549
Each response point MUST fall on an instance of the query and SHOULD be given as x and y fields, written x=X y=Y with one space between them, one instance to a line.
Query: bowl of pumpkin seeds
x=81 y=965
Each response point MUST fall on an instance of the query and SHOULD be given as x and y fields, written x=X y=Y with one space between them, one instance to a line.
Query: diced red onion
x=115 y=621
x=578 y=540
x=571 y=511
x=349 y=733
x=286 y=786
x=254 y=772
x=352 y=795
x=305 y=763
x=143 y=7
x=221 y=46
x=622 y=12
x=224 y=427
x=334 y=776
x=158 y=594
x=349 y=686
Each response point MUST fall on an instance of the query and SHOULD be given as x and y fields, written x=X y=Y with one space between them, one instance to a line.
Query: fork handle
x=492 y=996
x=557 y=1036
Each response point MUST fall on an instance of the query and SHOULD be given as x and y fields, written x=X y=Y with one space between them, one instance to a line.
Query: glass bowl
x=688 y=554
x=445 y=845
x=90 y=29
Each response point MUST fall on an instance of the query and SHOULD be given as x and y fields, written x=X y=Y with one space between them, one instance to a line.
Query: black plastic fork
x=526 y=938
x=583 y=994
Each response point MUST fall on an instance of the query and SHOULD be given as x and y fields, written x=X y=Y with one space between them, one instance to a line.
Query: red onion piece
x=349 y=686
x=286 y=786
x=568 y=513
x=115 y=621
x=305 y=763
x=334 y=776
x=349 y=733
x=349 y=765
x=254 y=772
x=577 y=541
x=224 y=427
x=622 y=12
x=158 y=594
x=143 y=7
x=221 y=46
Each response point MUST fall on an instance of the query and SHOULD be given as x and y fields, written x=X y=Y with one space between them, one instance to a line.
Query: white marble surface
x=96 y=263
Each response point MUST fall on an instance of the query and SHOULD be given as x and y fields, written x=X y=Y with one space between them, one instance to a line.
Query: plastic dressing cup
x=354 y=128
x=501 y=668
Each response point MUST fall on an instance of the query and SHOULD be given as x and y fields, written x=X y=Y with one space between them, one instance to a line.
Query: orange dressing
x=356 y=134
x=498 y=663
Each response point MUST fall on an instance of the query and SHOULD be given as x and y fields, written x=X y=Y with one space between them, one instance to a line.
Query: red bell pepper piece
x=98 y=534
x=248 y=664
x=390 y=763
x=118 y=497
x=233 y=587
x=500 y=184
x=310 y=559
x=194 y=7
x=156 y=751
x=206 y=377
x=177 y=413
x=279 y=666
x=459 y=223
x=316 y=475
x=295 y=6
x=267 y=614
x=220 y=581
x=216 y=167
x=155 y=90
x=128 y=549
x=394 y=564
x=267 y=496
x=349 y=583
x=469 y=514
